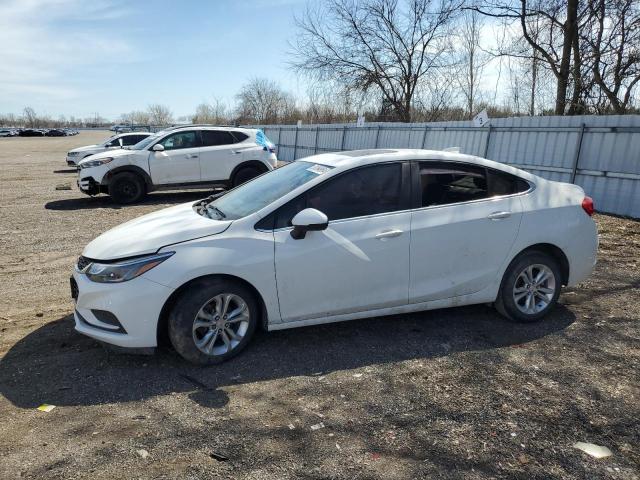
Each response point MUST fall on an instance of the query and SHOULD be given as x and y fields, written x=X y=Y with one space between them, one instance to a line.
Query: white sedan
x=336 y=237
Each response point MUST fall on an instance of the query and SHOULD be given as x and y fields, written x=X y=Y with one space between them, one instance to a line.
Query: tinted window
x=360 y=192
x=443 y=183
x=213 y=138
x=115 y=143
x=239 y=136
x=132 y=139
x=501 y=183
x=180 y=140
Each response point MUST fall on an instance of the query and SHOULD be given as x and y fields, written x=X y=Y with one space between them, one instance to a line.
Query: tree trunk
x=570 y=31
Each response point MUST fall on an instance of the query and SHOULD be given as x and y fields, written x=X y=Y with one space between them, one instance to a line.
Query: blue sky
x=76 y=57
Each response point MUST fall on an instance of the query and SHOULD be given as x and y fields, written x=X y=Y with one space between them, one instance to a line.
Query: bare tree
x=30 y=117
x=216 y=112
x=381 y=44
x=262 y=101
x=159 y=114
x=472 y=58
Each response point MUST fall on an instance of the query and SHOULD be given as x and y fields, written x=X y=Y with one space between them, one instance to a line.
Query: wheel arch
x=251 y=164
x=554 y=252
x=130 y=169
x=162 y=337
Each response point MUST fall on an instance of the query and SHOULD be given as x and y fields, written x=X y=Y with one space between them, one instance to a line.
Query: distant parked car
x=32 y=132
x=112 y=143
x=186 y=156
x=55 y=132
x=5 y=132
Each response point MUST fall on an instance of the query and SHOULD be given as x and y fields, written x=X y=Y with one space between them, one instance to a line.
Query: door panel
x=348 y=267
x=180 y=160
x=459 y=249
x=217 y=163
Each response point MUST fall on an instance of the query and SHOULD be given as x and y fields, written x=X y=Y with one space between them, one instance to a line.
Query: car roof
x=133 y=133
x=209 y=126
x=354 y=158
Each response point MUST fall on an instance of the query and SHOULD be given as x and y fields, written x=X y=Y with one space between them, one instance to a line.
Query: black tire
x=126 y=188
x=244 y=175
x=506 y=302
x=189 y=304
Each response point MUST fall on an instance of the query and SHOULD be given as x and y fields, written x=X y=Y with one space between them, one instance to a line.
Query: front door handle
x=388 y=234
x=235 y=152
x=194 y=155
x=499 y=215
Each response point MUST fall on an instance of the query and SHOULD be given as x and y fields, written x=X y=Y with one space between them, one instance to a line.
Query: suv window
x=356 y=193
x=443 y=183
x=239 y=136
x=213 y=138
x=502 y=183
x=180 y=140
x=132 y=139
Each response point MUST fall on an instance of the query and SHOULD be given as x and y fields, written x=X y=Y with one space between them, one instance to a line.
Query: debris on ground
x=596 y=451
x=46 y=407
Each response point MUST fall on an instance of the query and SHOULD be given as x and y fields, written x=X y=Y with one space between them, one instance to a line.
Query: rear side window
x=357 y=193
x=502 y=183
x=239 y=136
x=214 y=138
x=444 y=183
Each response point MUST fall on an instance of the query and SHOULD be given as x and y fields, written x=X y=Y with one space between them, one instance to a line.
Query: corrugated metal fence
x=599 y=153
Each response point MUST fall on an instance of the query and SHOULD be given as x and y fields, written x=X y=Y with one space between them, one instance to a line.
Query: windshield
x=142 y=144
x=266 y=189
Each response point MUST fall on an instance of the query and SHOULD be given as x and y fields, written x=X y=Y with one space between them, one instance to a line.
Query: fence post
x=315 y=142
x=295 y=144
x=377 y=136
x=424 y=136
x=344 y=131
x=486 y=145
x=576 y=157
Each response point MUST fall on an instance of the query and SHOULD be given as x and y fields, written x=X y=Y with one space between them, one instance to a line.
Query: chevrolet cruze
x=336 y=237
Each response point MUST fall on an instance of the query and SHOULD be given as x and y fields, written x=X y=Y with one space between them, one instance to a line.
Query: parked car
x=336 y=237
x=55 y=132
x=32 y=132
x=186 y=156
x=6 y=132
x=114 y=142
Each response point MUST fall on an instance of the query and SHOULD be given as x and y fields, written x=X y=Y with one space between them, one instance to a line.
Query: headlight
x=123 y=271
x=95 y=163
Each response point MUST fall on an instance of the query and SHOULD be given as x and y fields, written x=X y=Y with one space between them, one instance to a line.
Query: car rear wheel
x=244 y=175
x=126 y=188
x=213 y=321
x=530 y=287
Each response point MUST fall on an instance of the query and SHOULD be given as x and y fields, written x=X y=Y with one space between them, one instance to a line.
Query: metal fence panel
x=599 y=153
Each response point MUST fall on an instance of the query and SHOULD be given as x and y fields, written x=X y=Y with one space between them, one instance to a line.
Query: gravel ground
x=456 y=393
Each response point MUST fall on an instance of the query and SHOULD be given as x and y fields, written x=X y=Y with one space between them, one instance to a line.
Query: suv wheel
x=127 y=188
x=530 y=287
x=213 y=321
x=244 y=175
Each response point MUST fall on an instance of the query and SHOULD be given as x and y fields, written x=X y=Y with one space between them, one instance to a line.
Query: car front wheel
x=213 y=321
x=530 y=287
x=126 y=188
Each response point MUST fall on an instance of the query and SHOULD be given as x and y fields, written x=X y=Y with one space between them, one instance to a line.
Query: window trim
x=417 y=188
x=405 y=187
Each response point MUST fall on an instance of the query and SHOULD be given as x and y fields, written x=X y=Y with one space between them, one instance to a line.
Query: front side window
x=444 y=183
x=116 y=142
x=357 y=193
x=132 y=139
x=180 y=140
x=214 y=138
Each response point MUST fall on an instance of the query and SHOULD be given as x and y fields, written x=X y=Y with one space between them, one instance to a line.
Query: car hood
x=86 y=148
x=149 y=233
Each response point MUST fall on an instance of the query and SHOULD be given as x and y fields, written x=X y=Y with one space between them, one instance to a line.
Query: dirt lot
x=445 y=394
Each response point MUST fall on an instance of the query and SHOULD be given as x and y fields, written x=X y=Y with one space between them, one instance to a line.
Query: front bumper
x=135 y=305
x=89 y=186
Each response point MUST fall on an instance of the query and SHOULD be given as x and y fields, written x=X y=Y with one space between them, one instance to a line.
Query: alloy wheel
x=534 y=289
x=221 y=324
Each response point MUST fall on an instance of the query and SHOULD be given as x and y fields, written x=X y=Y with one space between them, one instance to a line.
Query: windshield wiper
x=219 y=212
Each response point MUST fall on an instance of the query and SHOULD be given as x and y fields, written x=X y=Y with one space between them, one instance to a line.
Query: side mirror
x=158 y=147
x=308 y=220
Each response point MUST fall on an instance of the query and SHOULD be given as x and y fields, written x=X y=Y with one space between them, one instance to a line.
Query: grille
x=82 y=263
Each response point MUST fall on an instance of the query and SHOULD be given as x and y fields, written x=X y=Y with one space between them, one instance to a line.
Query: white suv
x=112 y=143
x=178 y=157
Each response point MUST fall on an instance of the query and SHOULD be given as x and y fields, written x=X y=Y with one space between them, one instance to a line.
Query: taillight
x=587 y=205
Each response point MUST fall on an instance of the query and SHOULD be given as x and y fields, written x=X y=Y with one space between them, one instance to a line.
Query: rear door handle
x=235 y=152
x=388 y=234
x=499 y=215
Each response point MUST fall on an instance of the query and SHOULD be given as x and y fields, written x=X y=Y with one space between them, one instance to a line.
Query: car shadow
x=56 y=365
x=104 y=201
